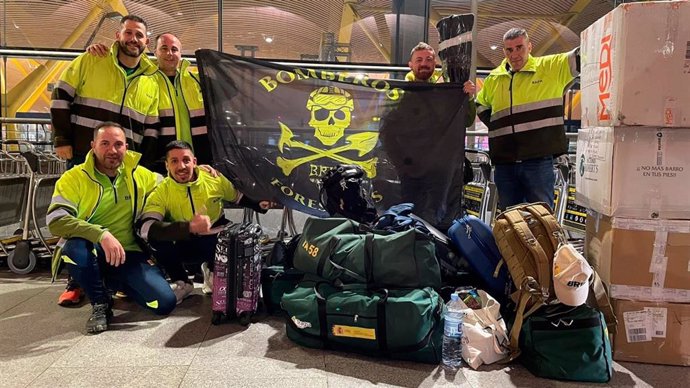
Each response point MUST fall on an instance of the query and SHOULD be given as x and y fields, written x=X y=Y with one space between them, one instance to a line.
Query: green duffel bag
x=277 y=281
x=567 y=343
x=339 y=249
x=400 y=324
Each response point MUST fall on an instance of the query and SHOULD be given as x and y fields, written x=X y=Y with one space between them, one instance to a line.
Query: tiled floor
x=42 y=344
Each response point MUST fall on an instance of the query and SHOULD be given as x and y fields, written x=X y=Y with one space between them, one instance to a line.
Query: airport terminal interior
x=619 y=198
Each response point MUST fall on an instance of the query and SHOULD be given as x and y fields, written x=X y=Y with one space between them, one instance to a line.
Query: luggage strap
x=603 y=303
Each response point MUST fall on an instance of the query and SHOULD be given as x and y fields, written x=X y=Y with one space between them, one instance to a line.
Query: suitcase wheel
x=245 y=319
x=216 y=317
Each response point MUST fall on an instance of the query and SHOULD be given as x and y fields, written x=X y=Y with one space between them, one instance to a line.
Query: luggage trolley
x=480 y=196
x=29 y=243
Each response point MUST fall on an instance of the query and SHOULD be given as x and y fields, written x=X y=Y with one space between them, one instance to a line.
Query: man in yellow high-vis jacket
x=521 y=103
x=181 y=104
x=93 y=210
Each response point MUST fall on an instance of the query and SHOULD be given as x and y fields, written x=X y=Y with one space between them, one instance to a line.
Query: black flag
x=276 y=130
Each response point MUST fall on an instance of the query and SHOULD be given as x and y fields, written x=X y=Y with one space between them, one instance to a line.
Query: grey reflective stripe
x=154 y=215
x=151 y=120
x=199 y=130
x=91 y=123
x=96 y=103
x=145 y=227
x=197 y=112
x=60 y=200
x=481 y=108
x=168 y=131
x=166 y=112
x=150 y=132
x=527 y=107
x=55 y=214
x=66 y=87
x=159 y=178
x=131 y=113
x=525 y=127
x=59 y=104
x=572 y=61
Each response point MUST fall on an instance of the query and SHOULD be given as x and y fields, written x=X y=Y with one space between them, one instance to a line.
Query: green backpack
x=567 y=343
x=401 y=324
x=341 y=251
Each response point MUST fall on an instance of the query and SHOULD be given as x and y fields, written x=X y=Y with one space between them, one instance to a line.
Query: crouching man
x=184 y=214
x=93 y=209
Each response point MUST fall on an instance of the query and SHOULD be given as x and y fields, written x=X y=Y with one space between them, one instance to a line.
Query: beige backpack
x=528 y=236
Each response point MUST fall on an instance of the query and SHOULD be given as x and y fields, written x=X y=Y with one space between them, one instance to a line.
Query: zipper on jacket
x=510 y=90
x=172 y=101
x=124 y=95
x=112 y=183
x=136 y=196
x=191 y=201
x=100 y=194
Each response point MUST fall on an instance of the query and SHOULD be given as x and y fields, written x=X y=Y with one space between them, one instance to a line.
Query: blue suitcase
x=475 y=241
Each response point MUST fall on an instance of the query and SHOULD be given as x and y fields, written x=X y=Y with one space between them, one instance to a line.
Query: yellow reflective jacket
x=78 y=193
x=95 y=89
x=183 y=118
x=179 y=202
x=524 y=110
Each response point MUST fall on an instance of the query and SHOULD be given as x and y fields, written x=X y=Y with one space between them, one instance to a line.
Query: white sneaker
x=181 y=290
x=207 y=287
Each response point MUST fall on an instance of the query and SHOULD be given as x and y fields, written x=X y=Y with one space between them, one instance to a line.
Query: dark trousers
x=528 y=181
x=137 y=277
x=172 y=255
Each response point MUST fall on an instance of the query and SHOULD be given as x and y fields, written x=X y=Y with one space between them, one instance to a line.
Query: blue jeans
x=528 y=181
x=137 y=277
x=172 y=254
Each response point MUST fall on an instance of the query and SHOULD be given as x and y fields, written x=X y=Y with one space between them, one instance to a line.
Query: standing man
x=184 y=214
x=93 y=210
x=181 y=105
x=436 y=191
x=521 y=103
x=116 y=87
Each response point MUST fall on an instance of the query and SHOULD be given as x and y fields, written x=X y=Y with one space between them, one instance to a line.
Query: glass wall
x=375 y=33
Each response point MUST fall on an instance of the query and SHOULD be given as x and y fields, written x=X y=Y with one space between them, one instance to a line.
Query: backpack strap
x=542 y=262
x=528 y=290
x=541 y=212
x=602 y=301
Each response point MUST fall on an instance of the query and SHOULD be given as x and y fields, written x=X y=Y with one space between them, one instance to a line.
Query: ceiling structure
x=277 y=29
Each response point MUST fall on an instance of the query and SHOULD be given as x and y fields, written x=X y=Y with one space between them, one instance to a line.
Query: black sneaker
x=99 y=319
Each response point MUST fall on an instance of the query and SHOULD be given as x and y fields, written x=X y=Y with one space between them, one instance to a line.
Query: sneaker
x=181 y=290
x=207 y=286
x=99 y=319
x=121 y=295
x=72 y=294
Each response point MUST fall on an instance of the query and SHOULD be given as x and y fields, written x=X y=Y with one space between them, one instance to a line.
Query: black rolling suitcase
x=237 y=273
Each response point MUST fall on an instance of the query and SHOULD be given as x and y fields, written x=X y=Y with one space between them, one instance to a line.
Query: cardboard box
x=635 y=66
x=646 y=260
x=634 y=172
x=654 y=333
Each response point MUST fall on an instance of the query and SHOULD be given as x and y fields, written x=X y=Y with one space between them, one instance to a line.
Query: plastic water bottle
x=451 y=352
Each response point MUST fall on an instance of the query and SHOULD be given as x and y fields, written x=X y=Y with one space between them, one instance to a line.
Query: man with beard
x=427 y=177
x=181 y=106
x=117 y=88
x=114 y=88
x=183 y=216
x=93 y=210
